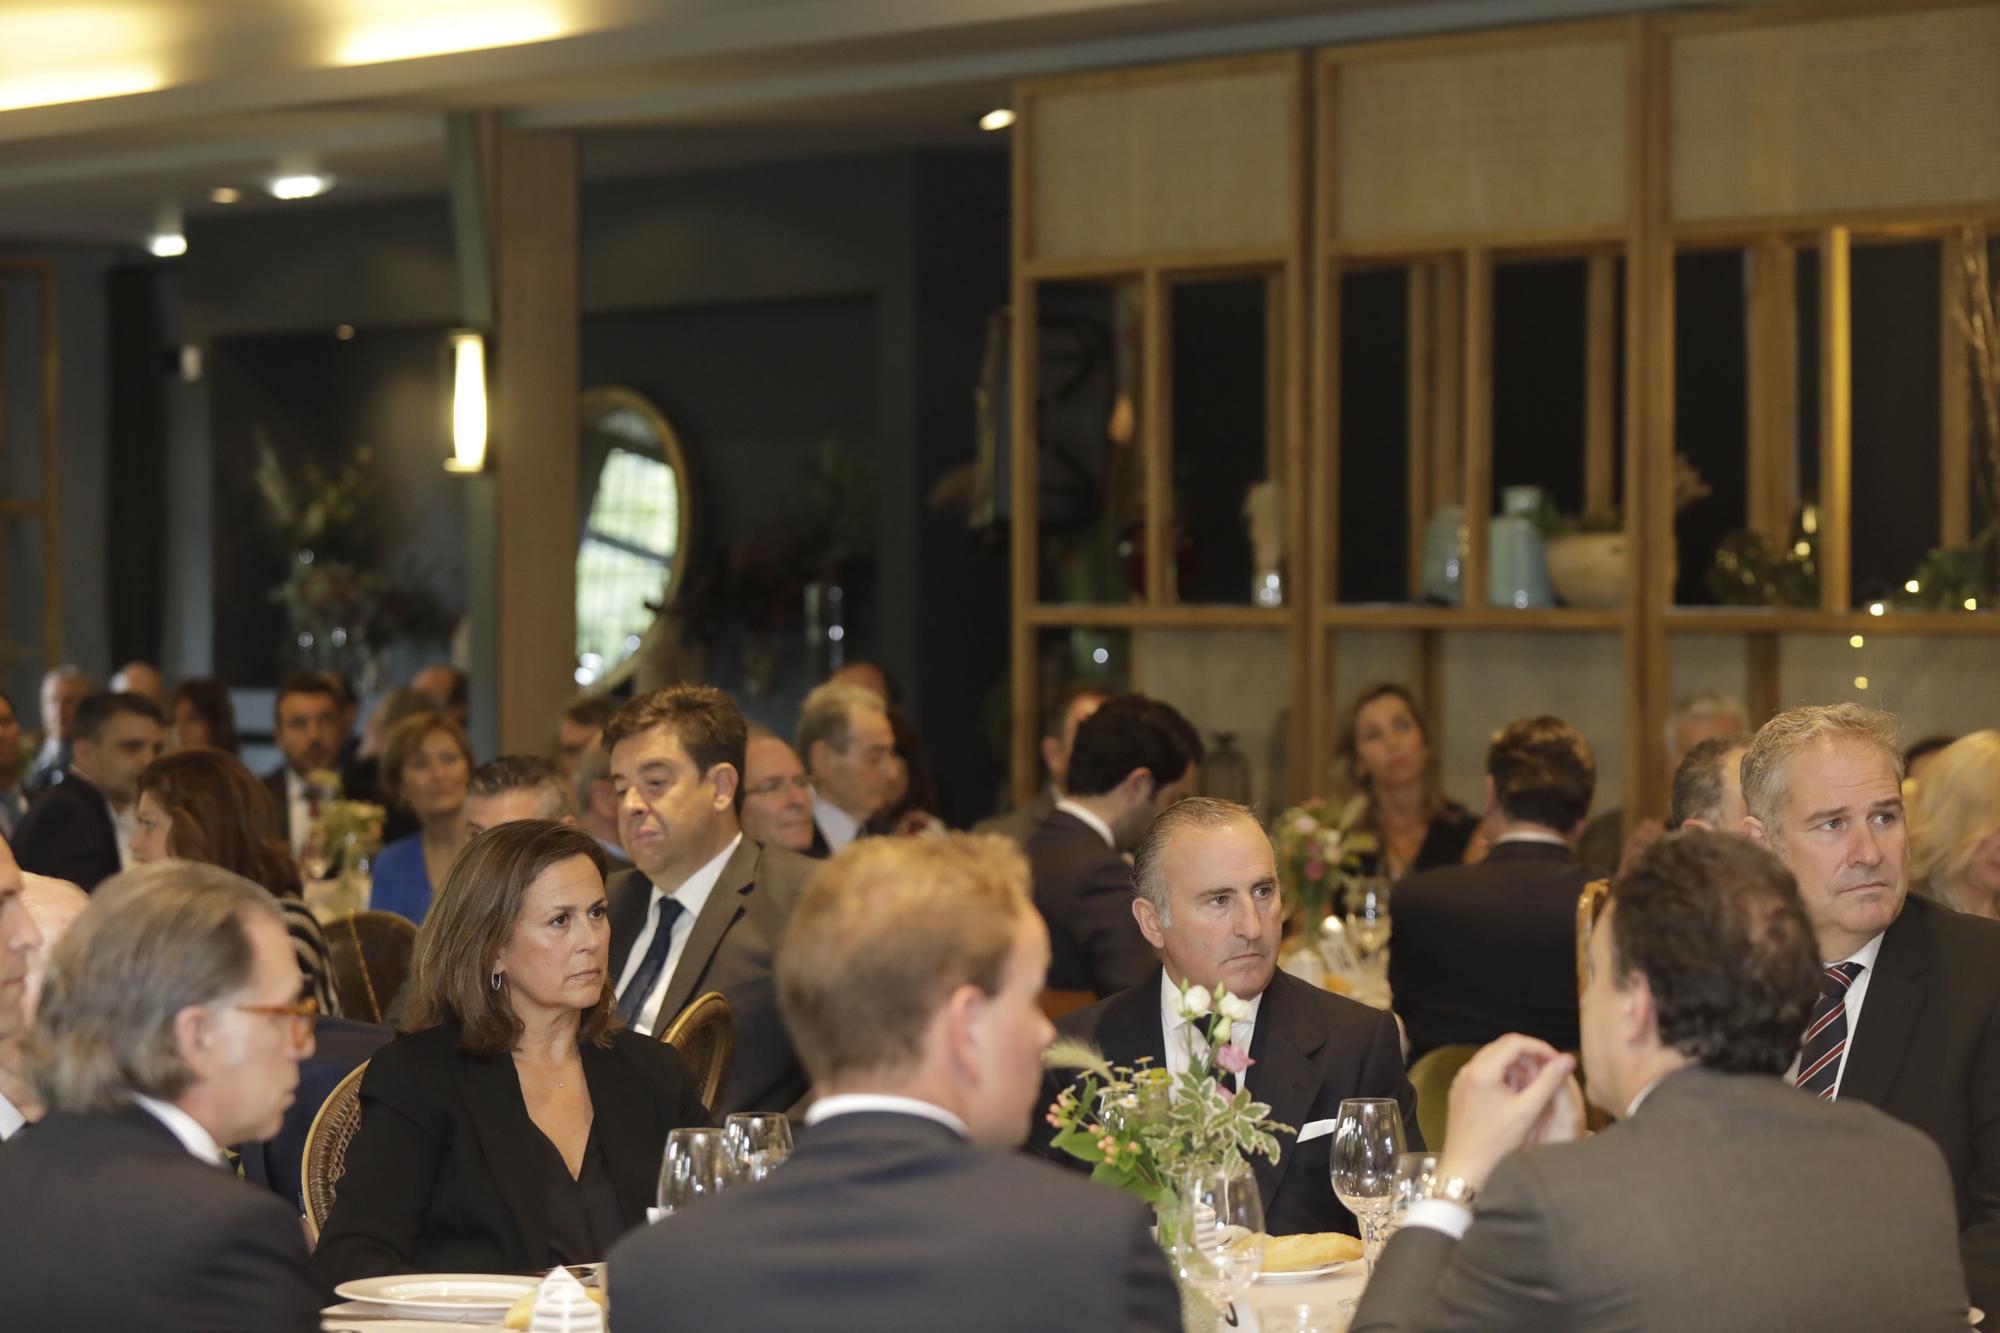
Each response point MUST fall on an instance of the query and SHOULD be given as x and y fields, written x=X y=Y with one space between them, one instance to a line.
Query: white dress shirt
x=1851 y=1002
x=691 y=895
x=1530 y=835
x=186 y=1128
x=1089 y=819
x=11 y=1119
x=855 y=1103
x=122 y=828
x=298 y=811
x=1176 y=1030
x=835 y=825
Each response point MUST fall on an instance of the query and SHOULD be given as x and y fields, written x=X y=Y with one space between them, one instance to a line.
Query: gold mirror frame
x=601 y=402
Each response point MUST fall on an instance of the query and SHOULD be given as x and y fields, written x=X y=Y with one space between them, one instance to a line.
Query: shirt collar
x=1865 y=955
x=1089 y=818
x=839 y=827
x=692 y=894
x=184 y=1127
x=855 y=1103
x=1531 y=835
x=11 y=1119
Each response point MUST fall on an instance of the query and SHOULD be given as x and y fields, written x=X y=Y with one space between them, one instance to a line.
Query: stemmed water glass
x=1367 y=1143
x=695 y=1166
x=1368 y=918
x=1214 y=1234
x=759 y=1143
x=1415 y=1174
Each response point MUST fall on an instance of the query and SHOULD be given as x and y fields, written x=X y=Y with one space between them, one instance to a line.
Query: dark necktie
x=1826 y=1037
x=633 y=1002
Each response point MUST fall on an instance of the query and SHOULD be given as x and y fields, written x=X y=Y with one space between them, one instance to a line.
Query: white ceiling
x=652 y=85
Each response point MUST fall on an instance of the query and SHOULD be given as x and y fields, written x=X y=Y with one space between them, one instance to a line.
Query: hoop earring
x=496 y=980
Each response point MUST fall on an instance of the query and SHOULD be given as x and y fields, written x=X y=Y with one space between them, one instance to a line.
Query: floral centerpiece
x=1141 y=1128
x=1319 y=851
x=345 y=837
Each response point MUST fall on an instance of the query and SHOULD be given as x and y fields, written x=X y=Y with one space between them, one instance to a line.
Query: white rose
x=1219 y=1034
x=1233 y=1007
x=1195 y=1001
x=1304 y=825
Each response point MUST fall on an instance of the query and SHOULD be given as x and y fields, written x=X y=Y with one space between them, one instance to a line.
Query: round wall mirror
x=638 y=507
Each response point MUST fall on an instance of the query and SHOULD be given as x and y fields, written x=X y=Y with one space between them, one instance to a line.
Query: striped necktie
x=1826 y=1038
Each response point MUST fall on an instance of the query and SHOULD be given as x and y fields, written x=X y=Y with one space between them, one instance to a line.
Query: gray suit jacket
x=1730 y=1203
x=730 y=950
x=890 y=1223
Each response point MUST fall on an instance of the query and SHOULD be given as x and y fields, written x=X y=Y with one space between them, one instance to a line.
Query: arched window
x=635 y=529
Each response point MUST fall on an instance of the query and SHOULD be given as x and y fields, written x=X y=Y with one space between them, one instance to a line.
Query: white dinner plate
x=460 y=1294
x=1304 y=1274
x=375 y=1323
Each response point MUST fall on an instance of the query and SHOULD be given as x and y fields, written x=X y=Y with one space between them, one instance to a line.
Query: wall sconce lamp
x=468 y=402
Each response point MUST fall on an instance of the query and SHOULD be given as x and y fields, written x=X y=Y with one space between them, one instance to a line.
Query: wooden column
x=1773 y=343
x=1156 y=438
x=1836 y=421
x=1649 y=436
x=1447 y=382
x=1600 y=385
x=1478 y=409
x=1955 y=399
x=1417 y=363
x=534 y=453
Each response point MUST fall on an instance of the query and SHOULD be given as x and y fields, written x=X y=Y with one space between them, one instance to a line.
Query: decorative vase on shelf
x=1588 y=569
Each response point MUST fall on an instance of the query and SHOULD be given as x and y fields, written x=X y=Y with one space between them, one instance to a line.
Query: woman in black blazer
x=518 y=1125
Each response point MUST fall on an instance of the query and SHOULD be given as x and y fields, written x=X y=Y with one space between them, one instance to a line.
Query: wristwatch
x=1453 y=1189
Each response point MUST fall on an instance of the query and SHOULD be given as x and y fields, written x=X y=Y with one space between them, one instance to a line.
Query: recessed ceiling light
x=999 y=118
x=304 y=186
x=224 y=194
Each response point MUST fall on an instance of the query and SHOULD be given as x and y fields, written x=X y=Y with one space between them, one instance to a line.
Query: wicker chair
x=325 y=1156
x=1588 y=904
x=370 y=957
x=705 y=1035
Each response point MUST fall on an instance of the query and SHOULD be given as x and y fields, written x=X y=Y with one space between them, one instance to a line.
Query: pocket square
x=1317 y=1129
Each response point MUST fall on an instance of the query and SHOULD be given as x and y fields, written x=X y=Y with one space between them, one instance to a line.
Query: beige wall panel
x=1493 y=677
x=1516 y=138
x=1885 y=111
x=1238 y=681
x=1933 y=686
x=1164 y=166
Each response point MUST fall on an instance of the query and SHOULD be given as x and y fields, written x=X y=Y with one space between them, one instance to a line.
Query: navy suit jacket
x=1083 y=890
x=891 y=1223
x=68 y=834
x=1313 y=1049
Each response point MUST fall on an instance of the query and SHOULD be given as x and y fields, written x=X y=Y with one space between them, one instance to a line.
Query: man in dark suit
x=901 y=1210
x=81 y=828
x=1722 y=1200
x=1209 y=902
x=166 y=1029
x=1076 y=703
x=1485 y=949
x=849 y=748
x=1909 y=1012
x=704 y=906
x=1708 y=786
x=310 y=728
x=1132 y=759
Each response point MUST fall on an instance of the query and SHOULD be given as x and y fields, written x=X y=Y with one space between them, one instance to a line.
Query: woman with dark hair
x=1387 y=755
x=203 y=717
x=204 y=805
x=517 y=1124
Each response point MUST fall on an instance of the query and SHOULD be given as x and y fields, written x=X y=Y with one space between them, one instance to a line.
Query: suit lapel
x=1131 y=1029
x=507 y=1141
x=1283 y=1075
x=625 y=1132
x=630 y=895
x=1891 y=1006
x=725 y=904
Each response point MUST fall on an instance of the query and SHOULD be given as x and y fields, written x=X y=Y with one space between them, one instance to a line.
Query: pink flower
x=1233 y=1058
x=1315 y=868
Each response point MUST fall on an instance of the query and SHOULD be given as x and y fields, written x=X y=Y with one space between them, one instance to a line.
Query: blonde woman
x=1955 y=826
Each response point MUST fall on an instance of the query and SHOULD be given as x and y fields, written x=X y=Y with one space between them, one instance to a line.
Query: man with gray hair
x=513 y=787
x=849 y=751
x=170 y=1024
x=1208 y=899
x=597 y=803
x=1908 y=1016
x=1605 y=847
x=1708 y=786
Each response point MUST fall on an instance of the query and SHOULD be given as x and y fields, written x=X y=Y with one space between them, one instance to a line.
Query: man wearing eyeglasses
x=170 y=1023
x=777 y=794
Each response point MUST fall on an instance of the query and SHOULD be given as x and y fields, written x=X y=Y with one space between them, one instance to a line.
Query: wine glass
x=1415 y=1172
x=1214 y=1235
x=1367 y=1141
x=695 y=1166
x=759 y=1142
x=1368 y=917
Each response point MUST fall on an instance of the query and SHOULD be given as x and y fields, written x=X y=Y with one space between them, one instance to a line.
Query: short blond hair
x=1955 y=807
x=1765 y=763
x=883 y=933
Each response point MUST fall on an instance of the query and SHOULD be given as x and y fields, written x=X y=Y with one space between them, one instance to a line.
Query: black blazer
x=1313 y=1049
x=444 y=1174
x=1084 y=892
x=889 y=1223
x=1445 y=839
x=112 y=1224
x=1482 y=950
x=1926 y=1049
x=68 y=833
x=729 y=949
